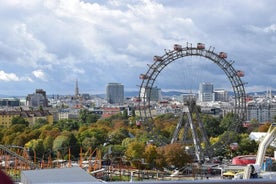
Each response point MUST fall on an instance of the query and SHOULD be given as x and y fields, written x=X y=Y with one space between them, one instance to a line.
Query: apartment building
x=6 y=117
x=261 y=109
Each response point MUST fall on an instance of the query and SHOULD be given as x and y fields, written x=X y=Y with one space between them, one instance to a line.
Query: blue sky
x=49 y=44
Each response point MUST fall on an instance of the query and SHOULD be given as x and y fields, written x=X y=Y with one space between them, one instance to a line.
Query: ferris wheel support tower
x=220 y=59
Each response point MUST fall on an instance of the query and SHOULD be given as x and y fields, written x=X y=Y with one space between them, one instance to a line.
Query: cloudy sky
x=49 y=44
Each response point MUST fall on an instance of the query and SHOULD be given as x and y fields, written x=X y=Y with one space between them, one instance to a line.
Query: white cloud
x=270 y=29
x=12 y=77
x=39 y=74
x=8 y=76
x=96 y=42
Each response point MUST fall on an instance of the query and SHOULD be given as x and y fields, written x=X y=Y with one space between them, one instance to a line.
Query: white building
x=221 y=95
x=261 y=109
x=206 y=92
x=154 y=94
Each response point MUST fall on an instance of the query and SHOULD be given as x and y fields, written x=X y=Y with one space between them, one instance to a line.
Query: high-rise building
x=38 y=99
x=206 y=92
x=221 y=95
x=154 y=94
x=115 y=93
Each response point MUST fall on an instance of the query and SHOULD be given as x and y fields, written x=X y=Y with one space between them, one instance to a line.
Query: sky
x=51 y=44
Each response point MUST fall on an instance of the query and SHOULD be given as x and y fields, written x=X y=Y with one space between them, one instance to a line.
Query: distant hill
x=169 y=93
x=177 y=93
x=129 y=94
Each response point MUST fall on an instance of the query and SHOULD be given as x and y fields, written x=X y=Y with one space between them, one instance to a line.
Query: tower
x=206 y=92
x=115 y=93
x=77 y=90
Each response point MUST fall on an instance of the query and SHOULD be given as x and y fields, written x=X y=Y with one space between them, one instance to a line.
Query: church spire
x=77 y=89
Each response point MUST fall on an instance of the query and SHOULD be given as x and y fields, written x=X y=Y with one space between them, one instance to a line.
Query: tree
x=211 y=125
x=274 y=119
x=89 y=142
x=150 y=155
x=93 y=136
x=125 y=115
x=39 y=123
x=135 y=153
x=175 y=155
x=63 y=142
x=48 y=143
x=20 y=140
x=247 y=146
x=36 y=147
x=87 y=117
x=117 y=136
x=83 y=115
x=117 y=150
x=60 y=143
x=92 y=118
x=19 y=120
x=264 y=127
x=227 y=121
x=67 y=124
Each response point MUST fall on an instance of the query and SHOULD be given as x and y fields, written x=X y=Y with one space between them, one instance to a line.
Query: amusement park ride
x=234 y=76
x=189 y=108
x=254 y=170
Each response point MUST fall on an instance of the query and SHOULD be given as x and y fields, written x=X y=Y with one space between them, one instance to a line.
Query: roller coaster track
x=19 y=157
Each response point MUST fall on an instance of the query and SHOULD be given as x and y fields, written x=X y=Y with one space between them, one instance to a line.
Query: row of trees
x=119 y=137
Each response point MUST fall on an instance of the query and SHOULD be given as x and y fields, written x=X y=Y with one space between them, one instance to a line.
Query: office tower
x=154 y=94
x=115 y=93
x=221 y=95
x=206 y=92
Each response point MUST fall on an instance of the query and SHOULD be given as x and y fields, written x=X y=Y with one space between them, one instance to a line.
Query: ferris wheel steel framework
x=220 y=59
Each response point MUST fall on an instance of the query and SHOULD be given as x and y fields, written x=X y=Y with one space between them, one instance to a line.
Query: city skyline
x=48 y=44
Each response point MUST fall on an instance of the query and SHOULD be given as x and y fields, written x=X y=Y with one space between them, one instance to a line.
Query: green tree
x=274 y=119
x=135 y=153
x=39 y=123
x=63 y=142
x=48 y=143
x=20 y=140
x=117 y=136
x=211 y=125
x=36 y=147
x=19 y=120
x=92 y=118
x=117 y=150
x=229 y=119
x=16 y=128
x=89 y=142
x=125 y=116
x=67 y=124
x=247 y=146
x=150 y=155
x=60 y=143
x=83 y=115
x=93 y=137
x=87 y=117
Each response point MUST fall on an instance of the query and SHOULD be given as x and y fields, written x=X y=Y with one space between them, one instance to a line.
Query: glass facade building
x=115 y=93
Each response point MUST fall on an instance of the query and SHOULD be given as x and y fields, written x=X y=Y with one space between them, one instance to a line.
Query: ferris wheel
x=160 y=62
